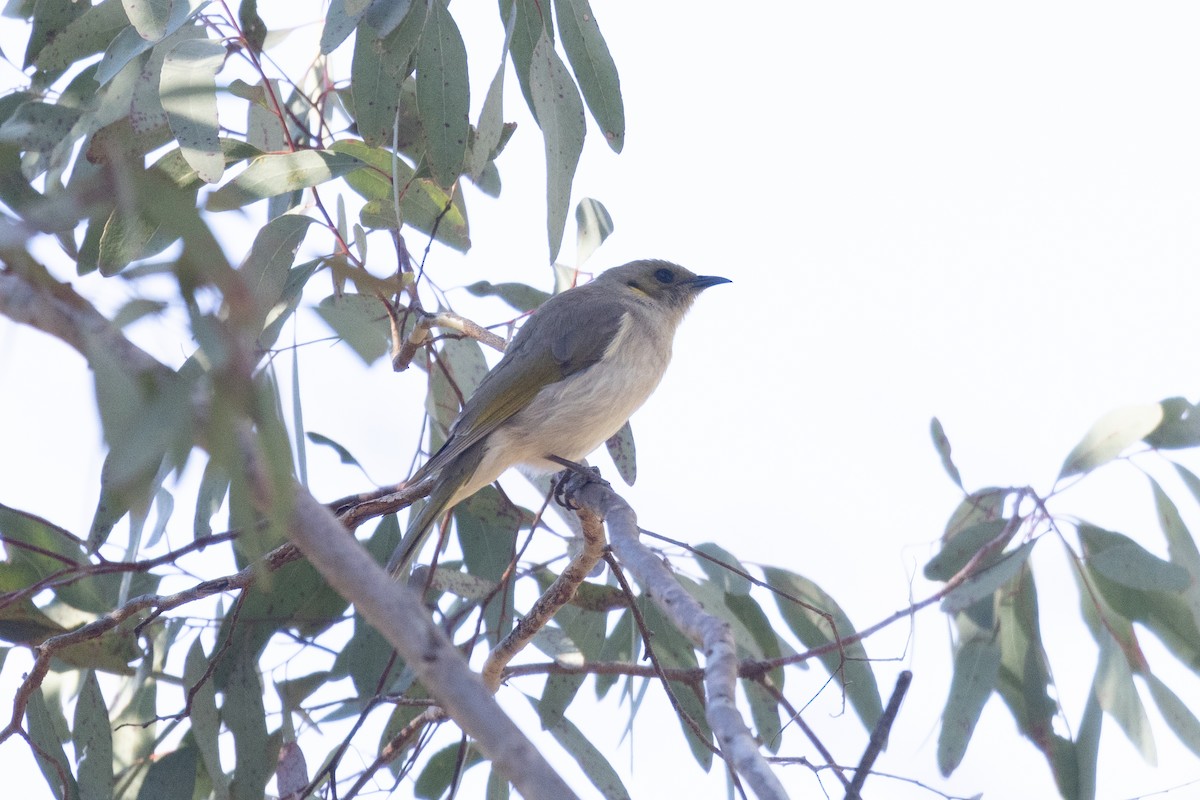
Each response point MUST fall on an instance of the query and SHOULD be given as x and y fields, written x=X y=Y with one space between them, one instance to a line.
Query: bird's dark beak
x=705 y=281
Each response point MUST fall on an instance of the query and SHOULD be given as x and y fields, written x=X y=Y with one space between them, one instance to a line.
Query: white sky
x=986 y=213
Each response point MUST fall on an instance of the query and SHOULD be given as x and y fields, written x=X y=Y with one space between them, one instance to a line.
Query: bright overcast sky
x=984 y=212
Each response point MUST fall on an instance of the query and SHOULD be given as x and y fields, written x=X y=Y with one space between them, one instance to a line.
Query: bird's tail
x=450 y=480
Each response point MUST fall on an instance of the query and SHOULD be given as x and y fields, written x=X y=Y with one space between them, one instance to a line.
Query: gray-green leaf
x=443 y=94
x=188 y=91
x=560 y=115
x=594 y=68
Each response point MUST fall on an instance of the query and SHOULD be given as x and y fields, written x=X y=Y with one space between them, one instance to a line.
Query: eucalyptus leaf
x=188 y=93
x=594 y=67
x=622 y=450
x=443 y=94
x=976 y=667
x=279 y=173
x=1110 y=436
x=1180 y=426
x=809 y=612
x=92 y=735
x=560 y=115
x=942 y=443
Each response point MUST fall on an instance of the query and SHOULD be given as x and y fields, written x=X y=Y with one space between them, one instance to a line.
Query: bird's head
x=660 y=283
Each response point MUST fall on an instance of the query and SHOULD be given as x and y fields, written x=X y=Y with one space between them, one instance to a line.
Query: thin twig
x=879 y=736
x=557 y=594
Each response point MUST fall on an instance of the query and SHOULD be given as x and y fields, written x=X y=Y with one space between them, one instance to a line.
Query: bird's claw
x=571 y=481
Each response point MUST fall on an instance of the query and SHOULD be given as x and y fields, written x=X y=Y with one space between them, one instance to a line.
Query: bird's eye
x=664 y=275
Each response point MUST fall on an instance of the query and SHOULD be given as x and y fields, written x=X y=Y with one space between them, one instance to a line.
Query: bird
x=574 y=373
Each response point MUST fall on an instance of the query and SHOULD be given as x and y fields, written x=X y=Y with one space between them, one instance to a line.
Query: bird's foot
x=572 y=480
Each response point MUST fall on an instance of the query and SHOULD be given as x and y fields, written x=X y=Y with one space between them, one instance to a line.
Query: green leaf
x=86 y=34
x=691 y=701
x=800 y=603
x=51 y=760
x=138 y=308
x=36 y=548
x=520 y=296
x=1110 y=436
x=246 y=718
x=987 y=579
x=339 y=23
x=594 y=68
x=593 y=763
x=206 y=724
x=586 y=631
x=770 y=643
x=976 y=667
x=962 y=544
x=942 y=443
x=1181 y=545
x=92 y=736
x=279 y=173
x=343 y=454
x=214 y=485
x=366 y=658
x=385 y=17
x=1165 y=613
x=130 y=43
x=557 y=695
x=764 y=711
x=723 y=576
x=560 y=114
x=1118 y=696
x=490 y=130
x=379 y=82
x=360 y=321
x=266 y=268
x=1024 y=680
x=462 y=361
x=441 y=769
x=171 y=776
x=50 y=18
x=289 y=301
x=593 y=225
x=1121 y=559
x=1176 y=713
x=443 y=94
x=1180 y=426
x=619 y=646
x=1087 y=746
x=446 y=394
x=423 y=204
x=487 y=526
x=532 y=22
x=144 y=420
x=253 y=27
x=149 y=17
x=497 y=786
x=188 y=90
x=38 y=126
x=621 y=449
x=22 y=622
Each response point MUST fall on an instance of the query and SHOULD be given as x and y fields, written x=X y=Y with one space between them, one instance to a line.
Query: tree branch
x=708 y=632
x=397 y=613
x=58 y=310
x=557 y=595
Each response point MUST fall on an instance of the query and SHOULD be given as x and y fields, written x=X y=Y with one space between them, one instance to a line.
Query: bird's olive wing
x=559 y=340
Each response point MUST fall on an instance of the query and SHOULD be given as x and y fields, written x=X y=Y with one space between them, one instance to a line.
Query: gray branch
x=32 y=297
x=709 y=633
x=396 y=612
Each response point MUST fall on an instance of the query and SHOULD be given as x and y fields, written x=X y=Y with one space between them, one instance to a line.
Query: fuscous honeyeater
x=574 y=373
